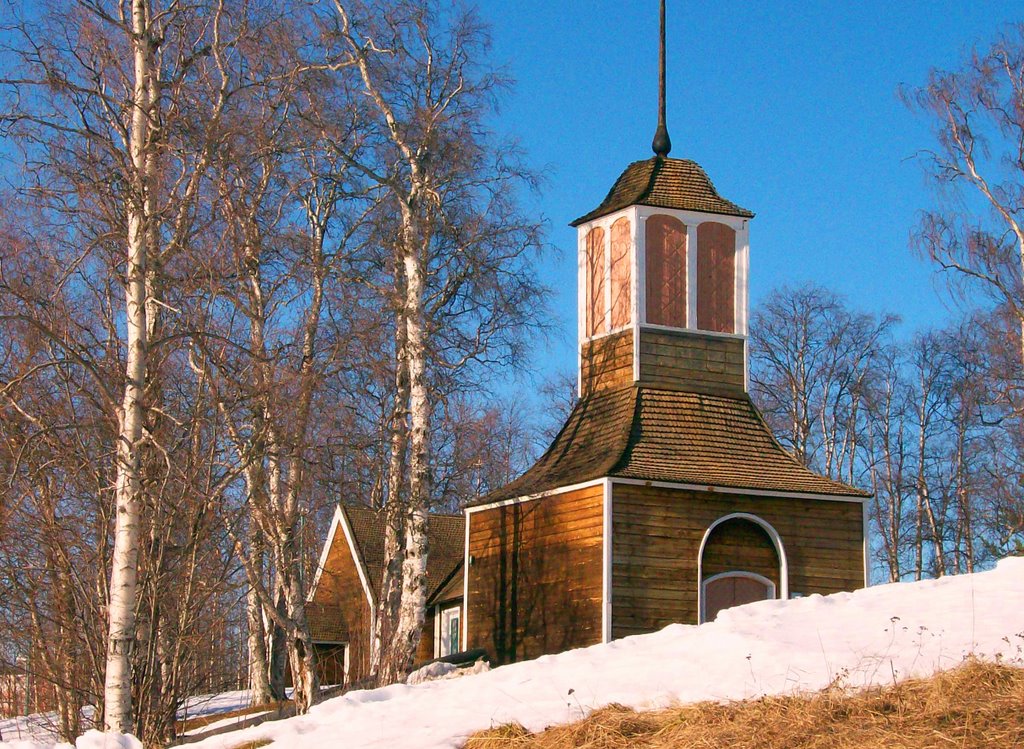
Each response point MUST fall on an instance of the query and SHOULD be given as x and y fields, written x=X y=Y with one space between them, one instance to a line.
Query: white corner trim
x=745 y=492
x=772 y=534
x=322 y=562
x=636 y=353
x=864 y=543
x=465 y=588
x=606 y=565
x=527 y=498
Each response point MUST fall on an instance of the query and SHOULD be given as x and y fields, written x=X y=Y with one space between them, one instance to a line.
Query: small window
x=597 y=305
x=622 y=240
x=666 y=271
x=716 y=277
x=450 y=630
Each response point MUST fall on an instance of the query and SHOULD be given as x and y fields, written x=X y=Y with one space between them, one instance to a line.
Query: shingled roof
x=664 y=435
x=326 y=624
x=446 y=534
x=665 y=183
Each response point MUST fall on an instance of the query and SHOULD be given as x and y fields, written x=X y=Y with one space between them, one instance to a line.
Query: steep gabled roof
x=650 y=434
x=445 y=533
x=665 y=183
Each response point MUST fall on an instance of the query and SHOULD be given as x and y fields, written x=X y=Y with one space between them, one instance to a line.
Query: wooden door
x=734 y=589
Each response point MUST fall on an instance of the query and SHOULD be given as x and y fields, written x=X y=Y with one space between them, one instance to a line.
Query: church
x=665 y=497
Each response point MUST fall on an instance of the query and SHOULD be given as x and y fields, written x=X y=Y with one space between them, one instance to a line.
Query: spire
x=662 y=144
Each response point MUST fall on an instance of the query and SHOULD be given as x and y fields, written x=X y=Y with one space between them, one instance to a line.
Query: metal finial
x=662 y=144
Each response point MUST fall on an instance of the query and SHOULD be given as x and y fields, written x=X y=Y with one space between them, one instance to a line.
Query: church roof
x=665 y=183
x=446 y=536
x=664 y=435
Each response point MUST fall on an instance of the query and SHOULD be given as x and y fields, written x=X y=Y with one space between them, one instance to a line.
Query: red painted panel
x=666 y=271
x=595 y=307
x=621 y=241
x=716 y=277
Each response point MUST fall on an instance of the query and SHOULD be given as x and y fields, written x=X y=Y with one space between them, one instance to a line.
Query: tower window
x=597 y=320
x=666 y=271
x=621 y=242
x=716 y=277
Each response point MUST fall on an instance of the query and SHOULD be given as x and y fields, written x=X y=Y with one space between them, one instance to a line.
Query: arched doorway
x=741 y=561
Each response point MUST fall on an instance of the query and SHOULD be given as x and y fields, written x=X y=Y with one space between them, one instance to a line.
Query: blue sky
x=793 y=110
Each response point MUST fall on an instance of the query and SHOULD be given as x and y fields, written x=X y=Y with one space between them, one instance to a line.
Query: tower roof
x=665 y=183
x=651 y=434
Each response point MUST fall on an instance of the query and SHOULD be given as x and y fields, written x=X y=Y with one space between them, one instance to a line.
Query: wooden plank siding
x=339 y=586
x=607 y=362
x=680 y=360
x=535 y=575
x=657 y=534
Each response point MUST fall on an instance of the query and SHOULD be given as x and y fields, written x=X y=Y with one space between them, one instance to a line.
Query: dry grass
x=976 y=705
x=253 y=744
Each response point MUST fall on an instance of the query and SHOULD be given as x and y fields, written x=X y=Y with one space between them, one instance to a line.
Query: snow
x=440 y=670
x=872 y=636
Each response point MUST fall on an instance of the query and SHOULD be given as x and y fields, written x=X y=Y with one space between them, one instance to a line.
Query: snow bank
x=868 y=637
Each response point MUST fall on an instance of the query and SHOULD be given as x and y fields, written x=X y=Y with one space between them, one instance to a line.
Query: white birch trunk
x=259 y=669
x=117 y=696
x=389 y=599
x=414 y=566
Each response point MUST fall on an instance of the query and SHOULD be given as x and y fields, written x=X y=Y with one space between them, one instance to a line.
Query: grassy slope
x=976 y=705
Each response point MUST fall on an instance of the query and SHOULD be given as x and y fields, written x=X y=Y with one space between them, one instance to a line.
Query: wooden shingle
x=665 y=183
x=650 y=434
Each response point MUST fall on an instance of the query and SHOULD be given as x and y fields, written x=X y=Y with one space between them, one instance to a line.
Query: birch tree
x=117 y=107
x=976 y=233
x=463 y=288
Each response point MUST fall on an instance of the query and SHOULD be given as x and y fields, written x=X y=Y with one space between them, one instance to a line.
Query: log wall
x=535 y=575
x=680 y=360
x=607 y=362
x=657 y=534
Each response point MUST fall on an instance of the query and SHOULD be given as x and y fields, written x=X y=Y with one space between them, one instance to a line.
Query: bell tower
x=663 y=268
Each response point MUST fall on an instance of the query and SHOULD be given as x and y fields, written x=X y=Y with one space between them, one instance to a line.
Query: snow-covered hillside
x=868 y=637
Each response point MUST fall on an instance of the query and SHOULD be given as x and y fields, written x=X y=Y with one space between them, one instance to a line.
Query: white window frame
x=439 y=629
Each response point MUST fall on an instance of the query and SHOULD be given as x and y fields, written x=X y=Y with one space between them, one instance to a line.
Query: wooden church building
x=664 y=498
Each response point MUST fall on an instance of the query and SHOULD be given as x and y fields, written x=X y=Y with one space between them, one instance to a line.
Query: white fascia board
x=360 y=566
x=322 y=562
x=527 y=498
x=692 y=218
x=465 y=588
x=749 y=492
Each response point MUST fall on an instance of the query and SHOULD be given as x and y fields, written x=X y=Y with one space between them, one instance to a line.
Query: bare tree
x=811 y=358
x=978 y=232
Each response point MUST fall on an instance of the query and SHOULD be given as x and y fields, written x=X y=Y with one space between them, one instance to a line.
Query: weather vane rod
x=662 y=144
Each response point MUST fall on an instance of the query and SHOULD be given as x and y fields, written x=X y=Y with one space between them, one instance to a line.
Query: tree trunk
x=278 y=646
x=412 y=609
x=389 y=600
x=259 y=667
x=117 y=695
